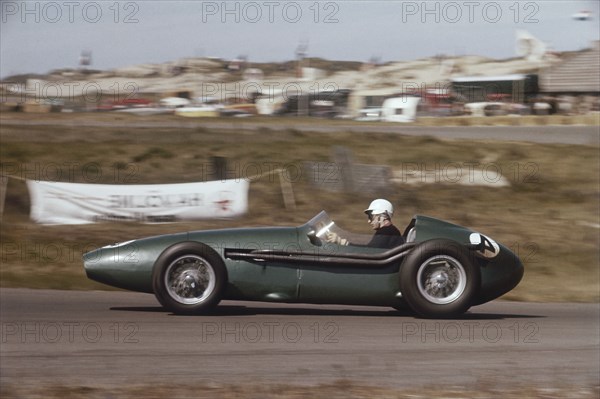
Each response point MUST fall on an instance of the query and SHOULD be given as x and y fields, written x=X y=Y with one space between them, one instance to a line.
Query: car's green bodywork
x=130 y=265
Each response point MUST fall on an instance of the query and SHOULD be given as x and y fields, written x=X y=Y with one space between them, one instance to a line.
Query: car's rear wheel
x=189 y=278
x=438 y=279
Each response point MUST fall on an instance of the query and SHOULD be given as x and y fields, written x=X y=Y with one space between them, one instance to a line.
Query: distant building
x=509 y=88
x=577 y=75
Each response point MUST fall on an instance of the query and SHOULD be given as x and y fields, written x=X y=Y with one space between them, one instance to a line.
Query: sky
x=39 y=36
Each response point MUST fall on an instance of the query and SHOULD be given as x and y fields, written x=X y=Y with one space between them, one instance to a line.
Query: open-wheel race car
x=441 y=270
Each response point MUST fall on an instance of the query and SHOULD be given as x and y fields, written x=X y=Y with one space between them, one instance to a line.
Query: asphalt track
x=120 y=338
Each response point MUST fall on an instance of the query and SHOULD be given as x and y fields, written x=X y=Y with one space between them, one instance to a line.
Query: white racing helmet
x=380 y=206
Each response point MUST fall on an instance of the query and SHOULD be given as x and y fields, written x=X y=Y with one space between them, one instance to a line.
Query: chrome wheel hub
x=190 y=279
x=441 y=279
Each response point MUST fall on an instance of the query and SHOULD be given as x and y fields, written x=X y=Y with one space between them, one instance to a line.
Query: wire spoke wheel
x=441 y=279
x=190 y=279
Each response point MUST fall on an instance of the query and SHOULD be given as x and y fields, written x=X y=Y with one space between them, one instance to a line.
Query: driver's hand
x=331 y=237
x=335 y=239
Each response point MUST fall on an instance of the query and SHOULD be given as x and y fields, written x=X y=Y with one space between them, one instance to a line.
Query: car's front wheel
x=438 y=279
x=189 y=278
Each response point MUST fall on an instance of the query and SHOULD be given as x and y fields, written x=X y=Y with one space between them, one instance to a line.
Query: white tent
x=174 y=102
x=400 y=109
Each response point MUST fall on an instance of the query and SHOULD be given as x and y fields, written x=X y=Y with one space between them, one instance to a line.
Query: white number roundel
x=490 y=247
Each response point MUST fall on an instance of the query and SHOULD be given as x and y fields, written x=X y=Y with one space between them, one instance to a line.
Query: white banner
x=76 y=203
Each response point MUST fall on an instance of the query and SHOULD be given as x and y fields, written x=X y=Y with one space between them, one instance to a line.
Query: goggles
x=370 y=215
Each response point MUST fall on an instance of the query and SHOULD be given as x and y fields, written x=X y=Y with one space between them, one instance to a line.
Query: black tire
x=189 y=278
x=438 y=279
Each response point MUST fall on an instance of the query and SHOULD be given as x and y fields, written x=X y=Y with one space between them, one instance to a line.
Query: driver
x=379 y=214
